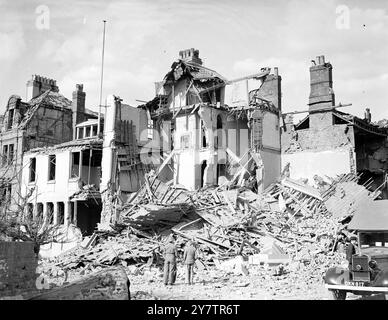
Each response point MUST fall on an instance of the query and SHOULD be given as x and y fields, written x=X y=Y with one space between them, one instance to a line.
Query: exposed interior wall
x=306 y=164
x=272 y=166
x=271 y=131
x=49 y=126
x=317 y=138
x=91 y=174
x=179 y=98
x=271 y=89
x=137 y=116
x=238 y=136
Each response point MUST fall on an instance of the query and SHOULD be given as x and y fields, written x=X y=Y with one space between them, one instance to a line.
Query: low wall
x=18 y=264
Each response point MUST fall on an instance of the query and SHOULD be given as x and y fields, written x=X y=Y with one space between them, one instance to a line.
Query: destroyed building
x=211 y=130
x=329 y=142
x=81 y=181
x=44 y=120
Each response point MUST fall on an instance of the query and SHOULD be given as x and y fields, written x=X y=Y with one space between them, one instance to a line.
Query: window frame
x=51 y=163
x=32 y=171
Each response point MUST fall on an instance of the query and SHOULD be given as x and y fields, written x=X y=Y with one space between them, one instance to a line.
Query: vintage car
x=369 y=269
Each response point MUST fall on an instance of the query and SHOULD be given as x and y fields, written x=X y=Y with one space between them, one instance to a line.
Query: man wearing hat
x=189 y=256
x=170 y=256
x=351 y=250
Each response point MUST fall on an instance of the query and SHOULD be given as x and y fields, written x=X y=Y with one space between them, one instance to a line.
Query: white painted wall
x=271 y=133
x=109 y=134
x=272 y=170
x=49 y=191
x=307 y=164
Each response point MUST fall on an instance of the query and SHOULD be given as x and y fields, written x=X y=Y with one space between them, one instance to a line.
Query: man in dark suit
x=170 y=256
x=351 y=250
x=189 y=257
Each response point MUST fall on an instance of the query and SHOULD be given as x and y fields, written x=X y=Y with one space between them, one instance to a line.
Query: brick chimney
x=78 y=106
x=321 y=85
x=367 y=115
x=38 y=84
x=271 y=88
x=321 y=94
x=190 y=55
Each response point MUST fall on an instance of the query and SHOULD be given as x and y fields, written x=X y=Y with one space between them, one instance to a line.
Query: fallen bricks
x=226 y=224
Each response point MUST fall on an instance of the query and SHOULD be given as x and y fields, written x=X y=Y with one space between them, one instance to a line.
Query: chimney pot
x=190 y=55
x=368 y=115
x=322 y=59
x=276 y=71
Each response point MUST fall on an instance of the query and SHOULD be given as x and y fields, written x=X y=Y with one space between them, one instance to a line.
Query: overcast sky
x=235 y=38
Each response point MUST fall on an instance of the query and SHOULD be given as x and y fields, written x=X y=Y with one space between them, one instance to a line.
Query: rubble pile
x=290 y=229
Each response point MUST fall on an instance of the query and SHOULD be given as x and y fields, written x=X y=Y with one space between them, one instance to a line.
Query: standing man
x=351 y=250
x=170 y=255
x=189 y=257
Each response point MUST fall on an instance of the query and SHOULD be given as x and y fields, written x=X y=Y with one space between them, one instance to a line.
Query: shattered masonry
x=208 y=158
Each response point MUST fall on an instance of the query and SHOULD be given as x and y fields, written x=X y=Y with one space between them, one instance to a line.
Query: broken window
x=203 y=167
x=5 y=155
x=219 y=132
x=203 y=135
x=218 y=95
x=32 y=170
x=52 y=165
x=30 y=211
x=50 y=212
x=75 y=164
x=39 y=212
x=10 y=119
x=91 y=166
x=10 y=154
x=80 y=133
x=87 y=132
x=61 y=213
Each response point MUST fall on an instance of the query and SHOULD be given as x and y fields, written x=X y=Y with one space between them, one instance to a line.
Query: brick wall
x=328 y=138
x=18 y=264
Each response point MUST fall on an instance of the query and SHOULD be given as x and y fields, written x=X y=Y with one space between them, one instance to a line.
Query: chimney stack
x=321 y=85
x=368 y=115
x=38 y=84
x=190 y=55
x=78 y=106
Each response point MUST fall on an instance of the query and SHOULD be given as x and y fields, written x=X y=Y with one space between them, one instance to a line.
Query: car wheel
x=337 y=294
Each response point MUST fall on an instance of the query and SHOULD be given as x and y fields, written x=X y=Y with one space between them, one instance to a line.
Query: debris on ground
x=288 y=233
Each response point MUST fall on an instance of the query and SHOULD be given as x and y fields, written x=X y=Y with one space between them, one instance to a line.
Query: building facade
x=210 y=129
x=329 y=142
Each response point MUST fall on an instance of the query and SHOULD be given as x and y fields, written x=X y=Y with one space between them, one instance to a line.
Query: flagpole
x=101 y=81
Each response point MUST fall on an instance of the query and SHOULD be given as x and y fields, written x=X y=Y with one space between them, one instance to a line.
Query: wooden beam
x=220 y=85
x=318 y=110
x=165 y=162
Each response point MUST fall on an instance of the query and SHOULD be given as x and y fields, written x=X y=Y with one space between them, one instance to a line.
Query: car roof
x=372 y=216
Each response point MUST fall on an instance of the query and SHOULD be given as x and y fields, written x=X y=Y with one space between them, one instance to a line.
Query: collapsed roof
x=347 y=118
x=194 y=71
x=373 y=216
